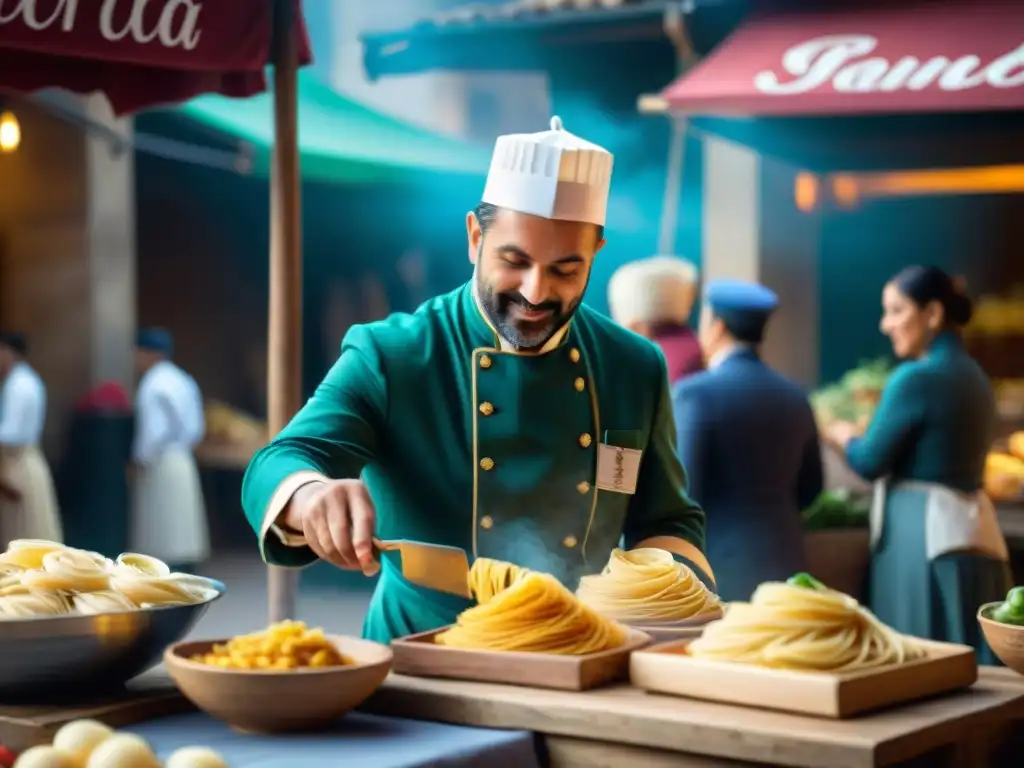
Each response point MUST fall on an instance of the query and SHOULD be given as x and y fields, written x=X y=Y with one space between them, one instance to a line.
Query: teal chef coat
x=464 y=444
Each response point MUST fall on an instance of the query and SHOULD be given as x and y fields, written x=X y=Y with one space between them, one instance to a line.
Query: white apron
x=36 y=514
x=954 y=521
x=168 y=513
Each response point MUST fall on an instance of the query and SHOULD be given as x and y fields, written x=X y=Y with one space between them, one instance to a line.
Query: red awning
x=139 y=52
x=937 y=56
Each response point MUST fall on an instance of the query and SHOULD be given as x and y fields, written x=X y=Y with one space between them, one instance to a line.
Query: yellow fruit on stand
x=1004 y=476
x=1016 y=444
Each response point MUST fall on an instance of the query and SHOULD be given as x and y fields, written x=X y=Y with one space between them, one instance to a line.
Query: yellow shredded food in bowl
x=283 y=646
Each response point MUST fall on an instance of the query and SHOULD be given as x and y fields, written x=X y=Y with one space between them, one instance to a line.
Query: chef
x=505 y=418
x=748 y=439
x=169 y=516
x=28 y=500
x=654 y=297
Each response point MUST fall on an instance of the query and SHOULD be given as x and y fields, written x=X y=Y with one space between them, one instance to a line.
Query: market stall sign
x=951 y=56
x=140 y=52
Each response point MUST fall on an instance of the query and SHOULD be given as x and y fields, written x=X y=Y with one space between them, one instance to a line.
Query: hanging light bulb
x=10 y=132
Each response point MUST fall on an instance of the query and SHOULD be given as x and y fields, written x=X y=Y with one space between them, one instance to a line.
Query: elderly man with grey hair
x=654 y=297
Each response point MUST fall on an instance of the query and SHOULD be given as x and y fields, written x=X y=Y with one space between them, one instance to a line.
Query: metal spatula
x=433 y=566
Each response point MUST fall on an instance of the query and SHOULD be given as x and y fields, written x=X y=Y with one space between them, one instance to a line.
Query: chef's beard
x=522 y=335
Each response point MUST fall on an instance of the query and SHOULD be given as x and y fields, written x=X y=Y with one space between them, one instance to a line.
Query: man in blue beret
x=168 y=515
x=749 y=442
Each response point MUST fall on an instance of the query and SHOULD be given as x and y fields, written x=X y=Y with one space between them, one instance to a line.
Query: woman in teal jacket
x=938 y=551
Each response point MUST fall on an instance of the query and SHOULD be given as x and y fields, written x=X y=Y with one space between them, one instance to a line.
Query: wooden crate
x=420 y=656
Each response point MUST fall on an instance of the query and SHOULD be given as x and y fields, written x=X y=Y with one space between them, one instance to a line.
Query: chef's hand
x=337 y=519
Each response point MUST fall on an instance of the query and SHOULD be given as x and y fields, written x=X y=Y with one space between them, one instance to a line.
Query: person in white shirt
x=169 y=515
x=28 y=500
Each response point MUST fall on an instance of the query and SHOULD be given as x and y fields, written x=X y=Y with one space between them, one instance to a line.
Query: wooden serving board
x=667 y=668
x=24 y=726
x=419 y=656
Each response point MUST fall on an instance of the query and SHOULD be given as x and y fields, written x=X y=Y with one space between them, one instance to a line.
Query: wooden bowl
x=1006 y=640
x=264 y=701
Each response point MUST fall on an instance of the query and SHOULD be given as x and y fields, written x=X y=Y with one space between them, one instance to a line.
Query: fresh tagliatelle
x=794 y=627
x=43 y=578
x=647 y=585
x=521 y=610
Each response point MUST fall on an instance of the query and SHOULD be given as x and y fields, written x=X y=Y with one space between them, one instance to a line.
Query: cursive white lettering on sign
x=843 y=62
x=171 y=32
x=26 y=11
x=176 y=26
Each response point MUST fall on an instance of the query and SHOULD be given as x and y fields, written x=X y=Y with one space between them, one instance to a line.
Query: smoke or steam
x=526 y=547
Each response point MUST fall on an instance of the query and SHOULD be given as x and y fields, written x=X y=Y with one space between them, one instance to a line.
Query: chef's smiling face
x=531 y=272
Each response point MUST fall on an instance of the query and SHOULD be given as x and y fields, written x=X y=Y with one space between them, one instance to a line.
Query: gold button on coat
x=583 y=487
x=485 y=361
x=486 y=409
x=574 y=355
x=486 y=463
x=580 y=384
x=585 y=440
x=486 y=523
x=569 y=542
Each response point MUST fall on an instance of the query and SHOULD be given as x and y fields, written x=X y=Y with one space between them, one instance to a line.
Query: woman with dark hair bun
x=938 y=551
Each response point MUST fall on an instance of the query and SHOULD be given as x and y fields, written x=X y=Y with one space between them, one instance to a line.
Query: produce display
x=855 y=396
x=998 y=315
x=1009 y=394
x=1004 y=476
x=91 y=744
x=1011 y=610
x=225 y=424
x=284 y=646
x=803 y=625
x=837 y=509
x=44 y=578
x=521 y=610
x=646 y=585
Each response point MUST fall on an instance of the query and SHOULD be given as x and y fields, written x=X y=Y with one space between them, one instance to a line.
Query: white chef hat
x=654 y=290
x=552 y=174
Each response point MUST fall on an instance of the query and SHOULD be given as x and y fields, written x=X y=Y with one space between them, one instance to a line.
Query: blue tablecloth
x=359 y=740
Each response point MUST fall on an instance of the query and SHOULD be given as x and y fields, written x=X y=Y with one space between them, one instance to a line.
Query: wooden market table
x=623 y=726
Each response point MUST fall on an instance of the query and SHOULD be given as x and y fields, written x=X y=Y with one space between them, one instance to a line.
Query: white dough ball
x=123 y=750
x=80 y=737
x=44 y=757
x=196 y=757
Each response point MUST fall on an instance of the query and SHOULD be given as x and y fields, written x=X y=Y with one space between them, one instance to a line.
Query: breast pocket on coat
x=618 y=461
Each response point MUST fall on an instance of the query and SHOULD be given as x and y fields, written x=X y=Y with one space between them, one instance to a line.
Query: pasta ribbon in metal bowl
x=70 y=618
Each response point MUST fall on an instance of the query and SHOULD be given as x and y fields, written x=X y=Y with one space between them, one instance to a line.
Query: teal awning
x=340 y=140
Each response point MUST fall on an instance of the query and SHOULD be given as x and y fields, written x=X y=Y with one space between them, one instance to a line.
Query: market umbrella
x=142 y=53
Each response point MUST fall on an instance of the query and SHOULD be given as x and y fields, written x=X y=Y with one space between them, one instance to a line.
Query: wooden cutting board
x=143 y=699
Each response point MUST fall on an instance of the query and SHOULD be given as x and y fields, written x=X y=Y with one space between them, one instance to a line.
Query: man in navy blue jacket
x=749 y=443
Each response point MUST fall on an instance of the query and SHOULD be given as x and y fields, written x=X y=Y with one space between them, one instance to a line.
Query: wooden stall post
x=284 y=333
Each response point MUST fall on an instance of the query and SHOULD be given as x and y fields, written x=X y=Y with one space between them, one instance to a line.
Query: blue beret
x=155 y=340
x=743 y=307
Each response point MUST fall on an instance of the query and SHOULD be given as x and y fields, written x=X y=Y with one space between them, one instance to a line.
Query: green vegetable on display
x=1011 y=610
x=838 y=509
x=853 y=397
x=870 y=374
x=804 y=581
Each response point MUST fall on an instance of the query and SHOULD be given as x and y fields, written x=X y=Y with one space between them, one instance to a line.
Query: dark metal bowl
x=65 y=657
